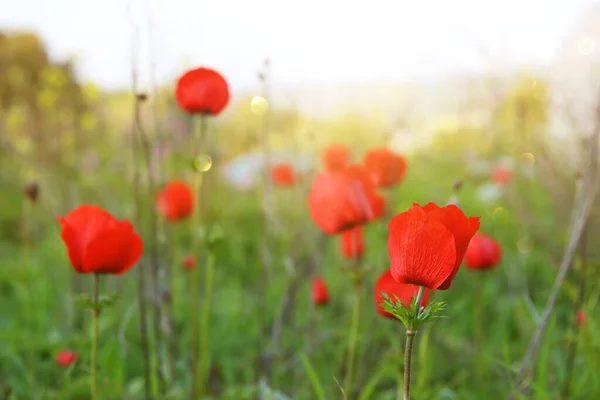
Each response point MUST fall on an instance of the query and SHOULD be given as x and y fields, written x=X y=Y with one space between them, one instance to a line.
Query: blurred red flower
x=404 y=291
x=189 y=262
x=483 y=252
x=65 y=358
x=501 y=174
x=352 y=244
x=99 y=243
x=385 y=167
x=202 y=91
x=283 y=175
x=341 y=200
x=581 y=317
x=427 y=244
x=320 y=294
x=336 y=157
x=175 y=201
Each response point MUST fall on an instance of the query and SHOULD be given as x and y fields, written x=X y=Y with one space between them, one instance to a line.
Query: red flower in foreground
x=189 y=262
x=99 y=243
x=483 y=252
x=336 y=157
x=404 y=291
x=501 y=174
x=283 y=175
x=385 y=167
x=320 y=294
x=344 y=199
x=427 y=244
x=581 y=317
x=352 y=244
x=176 y=201
x=65 y=358
x=202 y=91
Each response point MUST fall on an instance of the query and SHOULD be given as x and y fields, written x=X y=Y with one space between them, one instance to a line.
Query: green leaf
x=411 y=317
x=314 y=379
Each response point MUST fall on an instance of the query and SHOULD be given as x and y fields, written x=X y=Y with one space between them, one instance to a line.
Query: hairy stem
x=94 y=366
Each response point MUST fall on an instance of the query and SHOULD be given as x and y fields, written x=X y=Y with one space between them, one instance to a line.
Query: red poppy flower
x=385 y=167
x=283 y=175
x=483 y=253
x=99 y=243
x=65 y=358
x=189 y=262
x=427 y=244
x=336 y=157
x=501 y=174
x=320 y=294
x=352 y=244
x=581 y=317
x=202 y=91
x=404 y=291
x=341 y=200
x=176 y=201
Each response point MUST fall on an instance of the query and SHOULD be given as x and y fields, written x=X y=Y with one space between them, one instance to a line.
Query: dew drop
x=498 y=211
x=259 y=105
x=203 y=162
x=528 y=159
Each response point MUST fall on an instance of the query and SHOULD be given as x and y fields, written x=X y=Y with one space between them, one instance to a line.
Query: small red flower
x=581 y=317
x=501 y=174
x=189 y=262
x=404 y=291
x=385 y=167
x=320 y=294
x=99 y=243
x=202 y=91
x=427 y=244
x=336 y=157
x=176 y=201
x=65 y=358
x=352 y=244
x=283 y=175
x=343 y=199
x=483 y=252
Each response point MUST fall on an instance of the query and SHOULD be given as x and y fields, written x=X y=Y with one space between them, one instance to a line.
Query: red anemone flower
x=427 y=244
x=581 y=317
x=404 y=291
x=336 y=157
x=202 y=91
x=320 y=294
x=283 y=175
x=352 y=244
x=99 y=243
x=189 y=262
x=341 y=200
x=501 y=174
x=385 y=167
x=176 y=201
x=65 y=358
x=483 y=253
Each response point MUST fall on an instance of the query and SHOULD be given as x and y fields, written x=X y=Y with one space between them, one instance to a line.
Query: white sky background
x=308 y=41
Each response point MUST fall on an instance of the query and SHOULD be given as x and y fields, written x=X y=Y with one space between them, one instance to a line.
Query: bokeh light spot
x=203 y=162
x=498 y=211
x=585 y=46
x=259 y=105
x=524 y=245
x=528 y=159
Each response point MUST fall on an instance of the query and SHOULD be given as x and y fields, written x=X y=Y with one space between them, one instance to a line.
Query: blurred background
x=460 y=88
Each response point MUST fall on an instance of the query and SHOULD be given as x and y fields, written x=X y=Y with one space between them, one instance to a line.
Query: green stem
x=353 y=337
x=204 y=359
x=28 y=301
x=94 y=373
x=199 y=189
x=479 y=323
x=410 y=335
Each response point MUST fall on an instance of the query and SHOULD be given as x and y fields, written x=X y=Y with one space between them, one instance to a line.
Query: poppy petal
x=113 y=251
x=422 y=250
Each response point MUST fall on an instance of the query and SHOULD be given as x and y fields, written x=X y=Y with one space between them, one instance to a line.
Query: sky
x=308 y=42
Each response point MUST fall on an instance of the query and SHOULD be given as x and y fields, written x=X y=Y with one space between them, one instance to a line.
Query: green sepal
x=411 y=317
